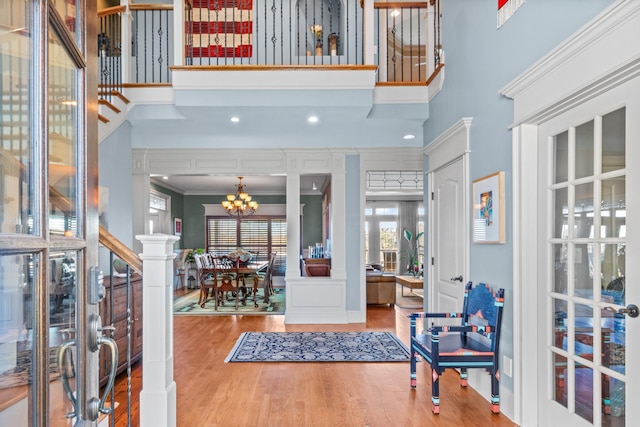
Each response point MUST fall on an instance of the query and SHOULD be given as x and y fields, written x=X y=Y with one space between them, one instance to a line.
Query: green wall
x=311 y=220
x=193 y=226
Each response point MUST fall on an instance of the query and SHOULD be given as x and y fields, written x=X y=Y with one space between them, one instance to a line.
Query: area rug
x=188 y=304
x=410 y=299
x=318 y=347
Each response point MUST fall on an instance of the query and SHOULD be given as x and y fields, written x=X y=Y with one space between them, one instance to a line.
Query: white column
x=369 y=41
x=178 y=33
x=125 y=48
x=158 y=395
x=293 y=225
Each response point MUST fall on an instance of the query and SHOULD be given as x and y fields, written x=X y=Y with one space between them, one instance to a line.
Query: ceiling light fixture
x=313 y=119
x=235 y=119
x=409 y=136
x=314 y=187
x=240 y=204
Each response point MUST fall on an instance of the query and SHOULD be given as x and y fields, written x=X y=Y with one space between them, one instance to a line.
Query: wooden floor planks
x=213 y=393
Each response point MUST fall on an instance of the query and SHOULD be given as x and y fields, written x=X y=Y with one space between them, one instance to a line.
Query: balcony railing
x=275 y=32
x=401 y=39
x=136 y=42
x=110 y=51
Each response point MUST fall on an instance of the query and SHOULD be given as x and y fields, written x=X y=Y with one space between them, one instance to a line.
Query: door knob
x=96 y=339
x=459 y=279
x=631 y=310
x=66 y=373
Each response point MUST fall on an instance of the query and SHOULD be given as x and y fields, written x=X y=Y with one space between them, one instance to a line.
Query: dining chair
x=265 y=277
x=205 y=271
x=179 y=272
x=226 y=280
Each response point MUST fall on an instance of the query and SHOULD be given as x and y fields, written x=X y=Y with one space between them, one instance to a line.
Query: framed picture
x=177 y=226
x=488 y=209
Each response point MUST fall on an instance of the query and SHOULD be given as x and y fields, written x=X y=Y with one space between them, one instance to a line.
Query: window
x=384 y=223
x=258 y=235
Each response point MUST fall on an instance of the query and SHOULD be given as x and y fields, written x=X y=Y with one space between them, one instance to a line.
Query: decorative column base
x=158 y=408
x=158 y=395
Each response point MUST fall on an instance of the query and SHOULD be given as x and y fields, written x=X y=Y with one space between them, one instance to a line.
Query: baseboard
x=480 y=381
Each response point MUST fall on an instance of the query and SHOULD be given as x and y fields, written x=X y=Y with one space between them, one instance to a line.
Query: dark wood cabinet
x=119 y=321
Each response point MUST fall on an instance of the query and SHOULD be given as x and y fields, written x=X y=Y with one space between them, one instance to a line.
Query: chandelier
x=240 y=204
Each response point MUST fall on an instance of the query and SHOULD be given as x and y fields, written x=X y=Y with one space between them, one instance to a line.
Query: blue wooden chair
x=475 y=343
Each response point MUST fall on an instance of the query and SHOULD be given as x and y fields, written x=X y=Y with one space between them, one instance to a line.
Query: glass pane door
x=587 y=241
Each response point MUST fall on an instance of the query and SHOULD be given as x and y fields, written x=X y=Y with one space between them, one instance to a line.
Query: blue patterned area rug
x=188 y=304
x=318 y=347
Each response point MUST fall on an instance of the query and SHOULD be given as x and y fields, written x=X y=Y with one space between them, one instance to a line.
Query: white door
x=588 y=223
x=448 y=237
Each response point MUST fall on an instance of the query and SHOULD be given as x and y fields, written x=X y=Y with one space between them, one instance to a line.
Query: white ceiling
x=273 y=108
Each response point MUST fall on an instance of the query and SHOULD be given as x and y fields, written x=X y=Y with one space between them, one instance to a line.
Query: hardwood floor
x=213 y=393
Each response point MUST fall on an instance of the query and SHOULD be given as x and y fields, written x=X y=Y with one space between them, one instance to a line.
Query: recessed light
x=313 y=119
x=165 y=177
x=235 y=119
x=408 y=136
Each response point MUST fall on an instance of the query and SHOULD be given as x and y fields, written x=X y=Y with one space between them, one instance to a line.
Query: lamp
x=240 y=203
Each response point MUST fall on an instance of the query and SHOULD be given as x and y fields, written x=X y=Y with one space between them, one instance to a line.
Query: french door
x=48 y=216
x=589 y=215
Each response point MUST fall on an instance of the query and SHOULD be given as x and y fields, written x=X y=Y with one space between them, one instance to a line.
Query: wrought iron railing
x=275 y=32
x=119 y=312
x=109 y=51
x=401 y=40
x=152 y=43
x=405 y=39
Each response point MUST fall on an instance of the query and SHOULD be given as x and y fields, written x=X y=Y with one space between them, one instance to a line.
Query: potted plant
x=189 y=257
x=413 y=251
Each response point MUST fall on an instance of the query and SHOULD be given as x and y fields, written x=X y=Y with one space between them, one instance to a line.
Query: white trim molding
x=451 y=144
x=594 y=61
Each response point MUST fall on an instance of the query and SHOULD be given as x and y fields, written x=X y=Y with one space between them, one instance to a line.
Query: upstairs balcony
x=373 y=59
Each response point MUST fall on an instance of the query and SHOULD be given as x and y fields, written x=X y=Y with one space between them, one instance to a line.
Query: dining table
x=250 y=270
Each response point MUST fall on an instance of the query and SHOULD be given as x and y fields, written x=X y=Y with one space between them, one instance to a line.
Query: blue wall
x=352 y=232
x=114 y=174
x=479 y=61
x=115 y=166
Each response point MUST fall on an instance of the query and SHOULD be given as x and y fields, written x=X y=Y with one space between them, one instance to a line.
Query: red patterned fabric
x=222 y=4
x=506 y=8
x=222 y=29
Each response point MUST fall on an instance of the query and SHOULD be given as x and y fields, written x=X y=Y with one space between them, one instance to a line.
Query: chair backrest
x=482 y=308
x=226 y=272
x=203 y=261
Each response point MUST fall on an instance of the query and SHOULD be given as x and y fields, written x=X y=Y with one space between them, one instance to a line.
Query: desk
x=410 y=282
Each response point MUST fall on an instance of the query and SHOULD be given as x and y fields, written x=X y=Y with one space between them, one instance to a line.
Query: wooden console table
x=410 y=282
x=317 y=266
